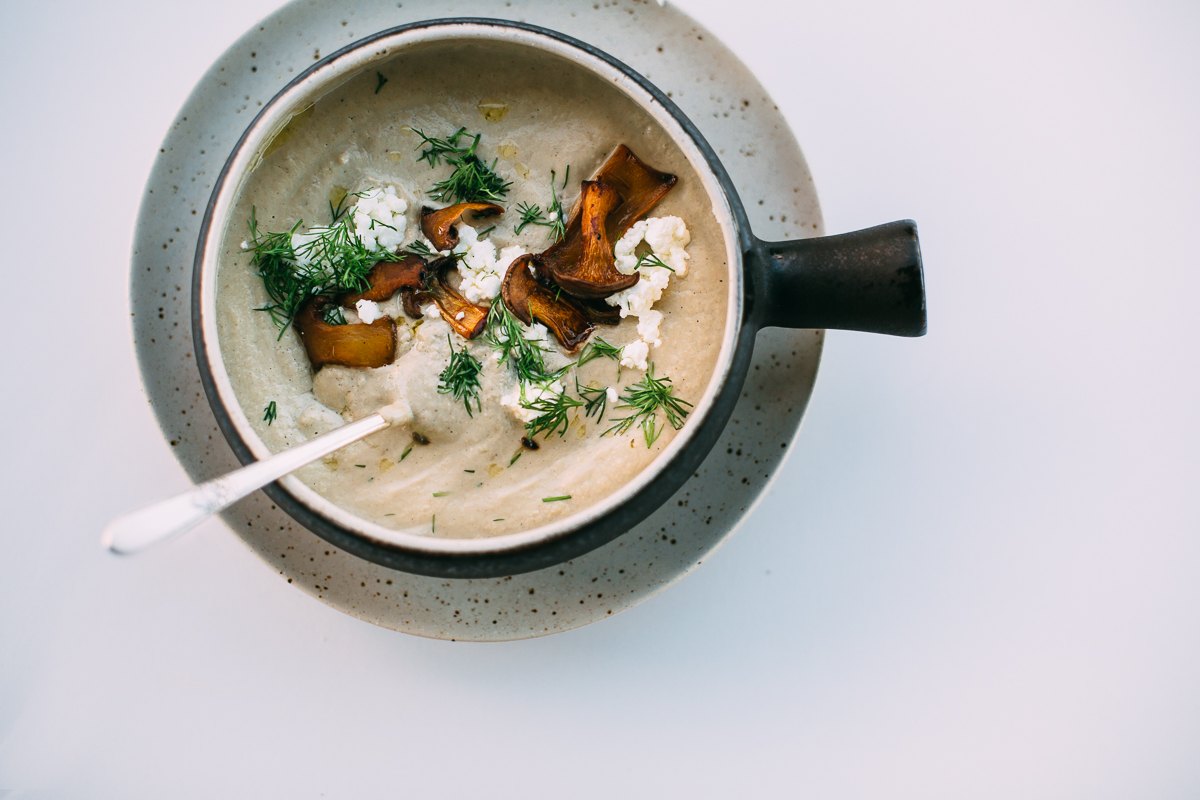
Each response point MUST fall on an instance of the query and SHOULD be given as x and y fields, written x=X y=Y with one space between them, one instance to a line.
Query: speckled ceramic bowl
x=870 y=280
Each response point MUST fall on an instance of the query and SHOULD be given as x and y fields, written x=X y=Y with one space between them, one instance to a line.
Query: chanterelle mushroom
x=467 y=319
x=361 y=345
x=594 y=273
x=387 y=277
x=529 y=300
x=640 y=188
x=438 y=224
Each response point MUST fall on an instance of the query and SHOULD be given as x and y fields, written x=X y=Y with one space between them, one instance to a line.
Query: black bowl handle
x=870 y=280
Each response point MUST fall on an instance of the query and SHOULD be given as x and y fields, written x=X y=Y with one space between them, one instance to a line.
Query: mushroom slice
x=387 y=277
x=594 y=273
x=371 y=345
x=640 y=187
x=438 y=224
x=410 y=301
x=529 y=300
x=600 y=312
x=467 y=319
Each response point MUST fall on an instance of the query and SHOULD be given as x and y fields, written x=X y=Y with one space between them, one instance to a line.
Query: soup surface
x=474 y=478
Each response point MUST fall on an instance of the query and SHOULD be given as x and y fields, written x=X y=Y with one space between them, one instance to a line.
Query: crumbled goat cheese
x=432 y=311
x=611 y=394
x=532 y=392
x=667 y=238
x=634 y=354
x=460 y=315
x=378 y=219
x=481 y=268
x=368 y=311
x=647 y=327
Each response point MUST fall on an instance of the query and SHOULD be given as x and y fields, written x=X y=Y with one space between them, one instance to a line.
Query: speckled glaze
x=747 y=132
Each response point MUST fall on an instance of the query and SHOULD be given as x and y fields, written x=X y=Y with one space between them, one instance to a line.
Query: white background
x=977 y=577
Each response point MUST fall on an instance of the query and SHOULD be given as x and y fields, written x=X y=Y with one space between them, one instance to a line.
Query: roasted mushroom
x=640 y=187
x=371 y=345
x=529 y=300
x=387 y=277
x=410 y=302
x=438 y=224
x=467 y=319
x=593 y=273
x=599 y=312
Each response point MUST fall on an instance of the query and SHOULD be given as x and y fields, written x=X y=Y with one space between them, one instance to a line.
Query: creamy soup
x=535 y=115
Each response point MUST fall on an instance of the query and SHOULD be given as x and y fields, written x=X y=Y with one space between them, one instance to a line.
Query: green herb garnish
x=440 y=494
x=530 y=215
x=552 y=413
x=460 y=378
x=470 y=471
x=652 y=260
x=419 y=248
x=472 y=181
x=515 y=457
x=558 y=221
x=553 y=218
x=595 y=401
x=270 y=412
x=598 y=348
x=382 y=81
x=333 y=315
x=643 y=400
x=335 y=261
x=506 y=335
x=554 y=499
x=439 y=147
x=404 y=455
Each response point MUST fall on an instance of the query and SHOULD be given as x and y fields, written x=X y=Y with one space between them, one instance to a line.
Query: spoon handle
x=147 y=526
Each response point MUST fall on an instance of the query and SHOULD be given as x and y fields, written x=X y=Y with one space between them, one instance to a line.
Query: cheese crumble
x=668 y=239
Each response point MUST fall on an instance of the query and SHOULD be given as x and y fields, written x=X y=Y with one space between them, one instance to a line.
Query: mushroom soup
x=538 y=358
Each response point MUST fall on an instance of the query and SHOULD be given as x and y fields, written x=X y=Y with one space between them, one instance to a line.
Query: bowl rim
x=326 y=75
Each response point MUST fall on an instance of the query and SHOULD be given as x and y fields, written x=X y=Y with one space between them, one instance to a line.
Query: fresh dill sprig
x=270 y=412
x=334 y=315
x=552 y=413
x=530 y=215
x=506 y=336
x=418 y=248
x=595 y=401
x=643 y=400
x=382 y=81
x=439 y=147
x=558 y=219
x=472 y=181
x=598 y=348
x=652 y=260
x=329 y=260
x=554 y=499
x=460 y=378
x=486 y=231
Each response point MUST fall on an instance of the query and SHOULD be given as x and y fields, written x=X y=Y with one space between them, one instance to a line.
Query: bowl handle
x=869 y=280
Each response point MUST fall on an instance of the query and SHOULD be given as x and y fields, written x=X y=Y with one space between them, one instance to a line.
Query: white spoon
x=147 y=526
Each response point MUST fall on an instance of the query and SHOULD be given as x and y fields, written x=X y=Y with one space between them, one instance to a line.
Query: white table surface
x=977 y=577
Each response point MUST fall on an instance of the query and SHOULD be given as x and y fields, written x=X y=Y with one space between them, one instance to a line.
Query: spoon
x=155 y=523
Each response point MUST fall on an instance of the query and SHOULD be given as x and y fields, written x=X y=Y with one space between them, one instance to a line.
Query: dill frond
x=643 y=400
x=460 y=378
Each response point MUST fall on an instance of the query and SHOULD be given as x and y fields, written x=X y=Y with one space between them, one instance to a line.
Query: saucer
x=745 y=129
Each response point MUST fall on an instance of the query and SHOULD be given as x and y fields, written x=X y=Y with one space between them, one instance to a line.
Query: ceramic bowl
x=869 y=280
